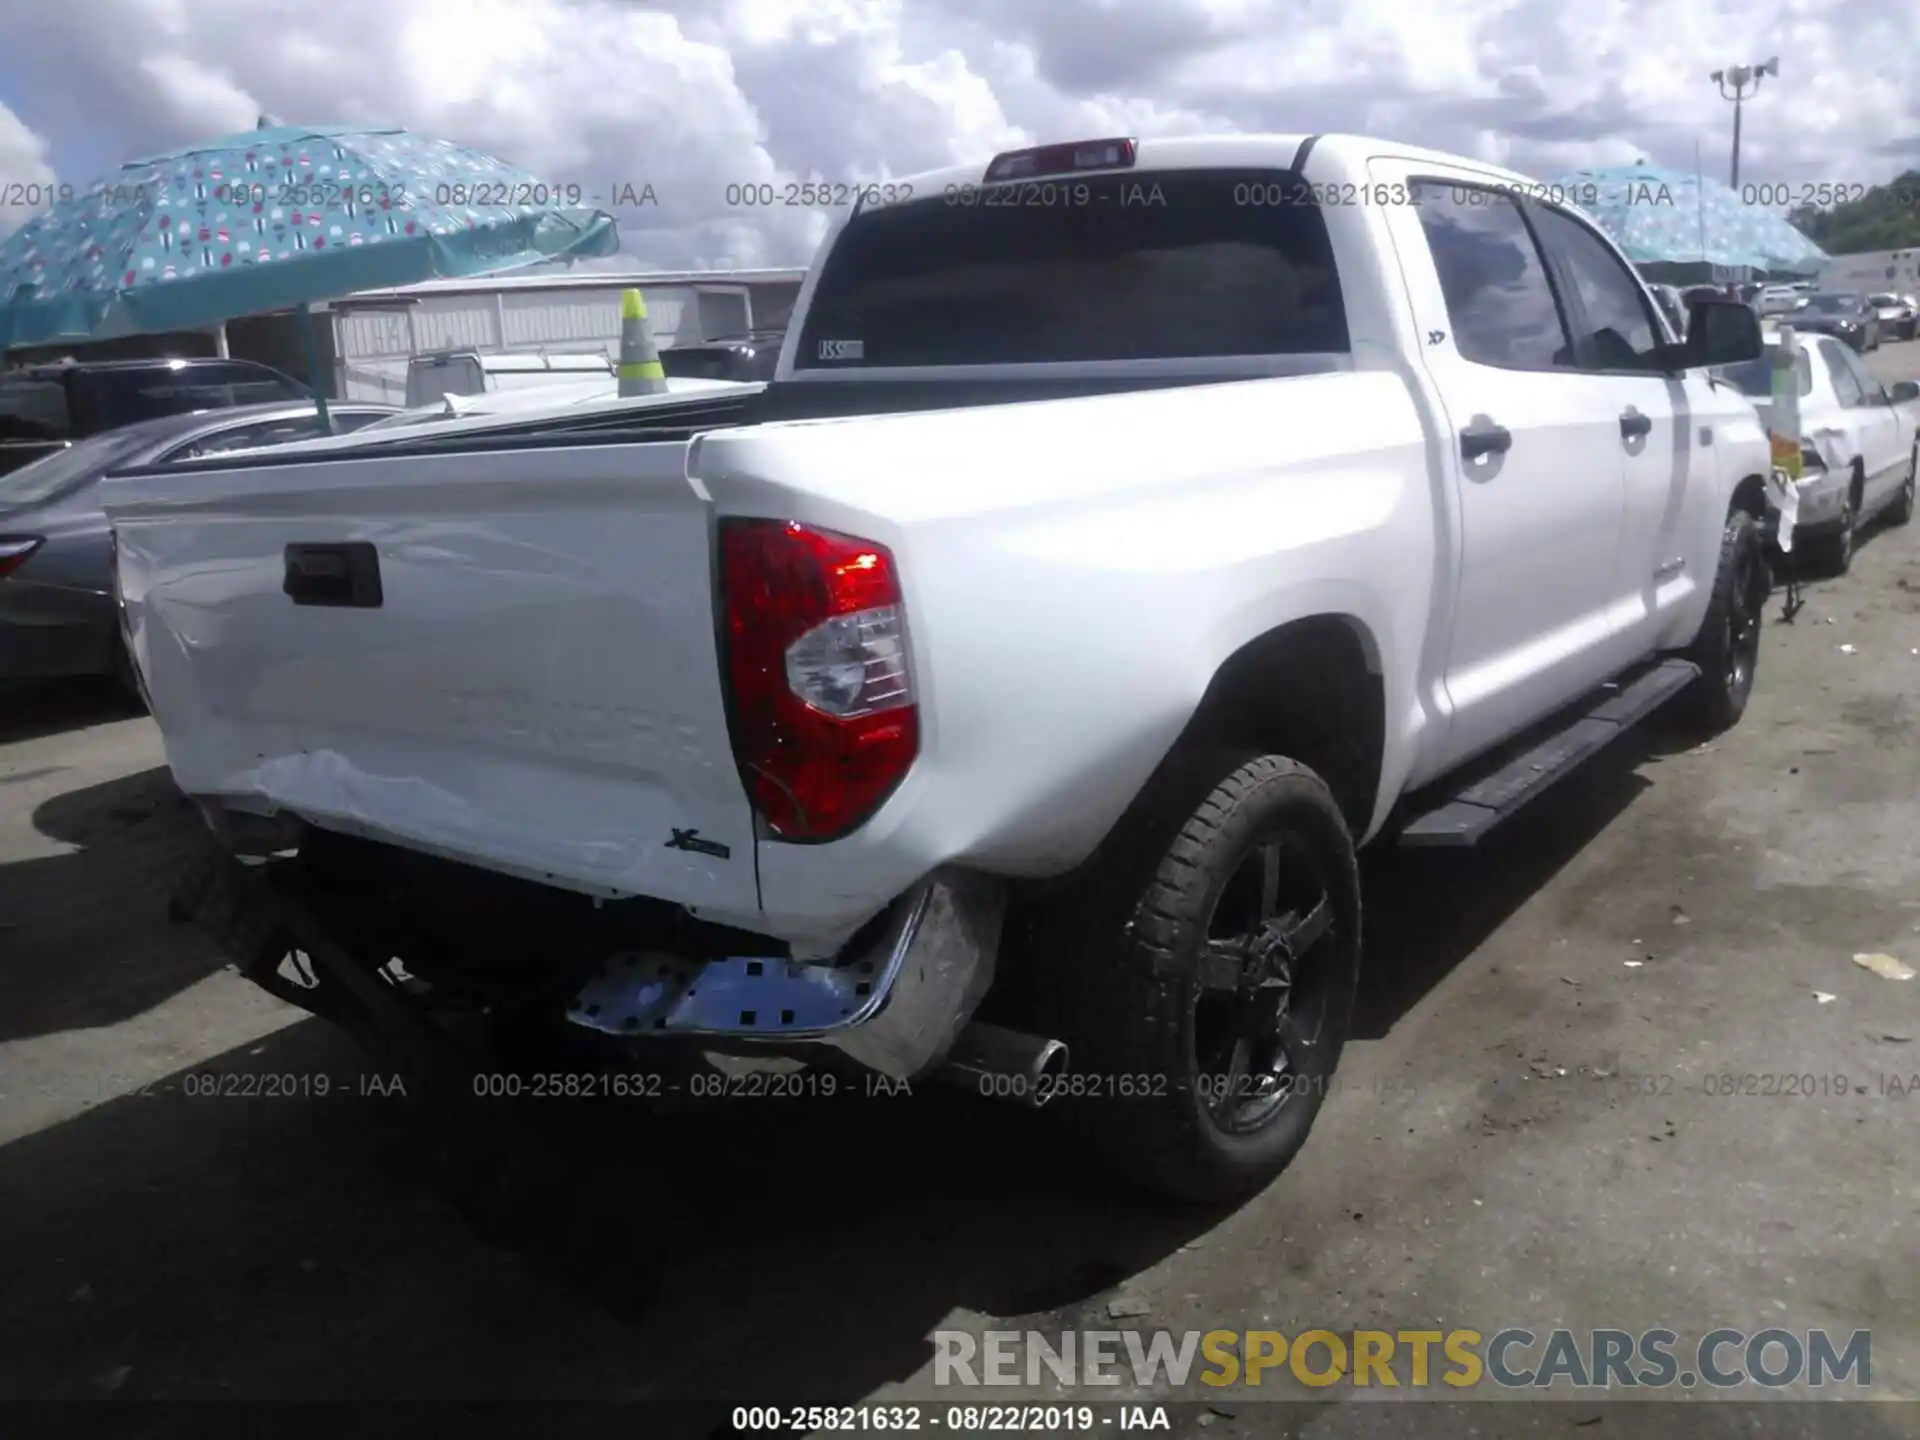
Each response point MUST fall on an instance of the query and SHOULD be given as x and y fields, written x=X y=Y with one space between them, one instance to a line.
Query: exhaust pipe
x=1005 y=1064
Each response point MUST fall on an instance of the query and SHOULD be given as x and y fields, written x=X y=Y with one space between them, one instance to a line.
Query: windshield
x=1883 y=299
x=1833 y=304
x=46 y=479
x=1137 y=266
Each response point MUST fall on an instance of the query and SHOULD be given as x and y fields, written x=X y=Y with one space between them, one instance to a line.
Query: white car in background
x=1779 y=299
x=1859 y=452
x=1897 y=316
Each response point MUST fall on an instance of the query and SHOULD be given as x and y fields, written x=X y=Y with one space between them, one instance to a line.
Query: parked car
x=1001 y=693
x=468 y=372
x=1843 y=314
x=1895 y=314
x=1860 y=457
x=745 y=358
x=57 y=617
x=46 y=407
x=1780 y=299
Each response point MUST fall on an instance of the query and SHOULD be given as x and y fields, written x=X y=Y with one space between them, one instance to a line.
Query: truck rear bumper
x=895 y=1001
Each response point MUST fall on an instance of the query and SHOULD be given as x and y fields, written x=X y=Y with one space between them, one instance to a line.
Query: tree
x=1887 y=217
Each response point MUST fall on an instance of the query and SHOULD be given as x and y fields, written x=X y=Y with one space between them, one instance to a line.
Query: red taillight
x=15 y=550
x=825 y=723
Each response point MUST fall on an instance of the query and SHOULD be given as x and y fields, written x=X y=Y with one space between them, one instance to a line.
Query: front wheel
x=1727 y=649
x=1205 y=985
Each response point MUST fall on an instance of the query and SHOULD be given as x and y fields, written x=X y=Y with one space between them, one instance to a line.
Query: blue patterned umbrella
x=276 y=218
x=1661 y=216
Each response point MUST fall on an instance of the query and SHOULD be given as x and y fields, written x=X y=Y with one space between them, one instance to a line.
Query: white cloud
x=692 y=96
x=25 y=176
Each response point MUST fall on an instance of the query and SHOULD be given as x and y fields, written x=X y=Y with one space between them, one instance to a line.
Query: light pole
x=1745 y=80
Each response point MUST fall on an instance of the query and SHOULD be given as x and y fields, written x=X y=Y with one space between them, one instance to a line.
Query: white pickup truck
x=1130 y=532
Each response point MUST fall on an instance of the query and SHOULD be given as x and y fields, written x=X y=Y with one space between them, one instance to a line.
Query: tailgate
x=532 y=684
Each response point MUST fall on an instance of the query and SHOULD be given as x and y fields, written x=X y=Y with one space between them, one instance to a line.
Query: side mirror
x=1904 y=391
x=1721 y=332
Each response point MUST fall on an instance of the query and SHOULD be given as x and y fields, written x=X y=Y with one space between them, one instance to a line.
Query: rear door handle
x=346 y=576
x=1488 y=439
x=1633 y=425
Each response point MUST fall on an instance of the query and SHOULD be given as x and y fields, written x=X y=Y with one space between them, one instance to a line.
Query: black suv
x=45 y=407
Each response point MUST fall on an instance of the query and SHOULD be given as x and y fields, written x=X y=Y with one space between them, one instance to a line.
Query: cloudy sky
x=692 y=96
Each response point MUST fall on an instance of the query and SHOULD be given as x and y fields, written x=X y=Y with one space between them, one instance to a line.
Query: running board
x=1461 y=819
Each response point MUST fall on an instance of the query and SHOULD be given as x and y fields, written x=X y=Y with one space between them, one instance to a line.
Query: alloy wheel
x=1265 y=978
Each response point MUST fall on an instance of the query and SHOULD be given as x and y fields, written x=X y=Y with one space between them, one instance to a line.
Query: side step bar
x=1462 y=818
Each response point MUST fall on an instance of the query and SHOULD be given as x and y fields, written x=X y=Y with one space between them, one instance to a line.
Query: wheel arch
x=1313 y=690
x=1750 y=495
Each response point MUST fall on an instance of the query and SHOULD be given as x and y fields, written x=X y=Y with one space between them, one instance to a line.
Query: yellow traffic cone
x=640 y=371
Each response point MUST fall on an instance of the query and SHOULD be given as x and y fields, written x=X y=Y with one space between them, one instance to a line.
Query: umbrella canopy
x=1665 y=217
x=276 y=218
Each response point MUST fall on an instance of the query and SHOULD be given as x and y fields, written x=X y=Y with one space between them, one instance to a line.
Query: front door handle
x=1633 y=425
x=1488 y=439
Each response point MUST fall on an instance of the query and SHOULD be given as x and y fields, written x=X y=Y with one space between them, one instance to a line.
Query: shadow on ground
x=268 y=1242
x=1427 y=910
x=84 y=938
x=29 y=711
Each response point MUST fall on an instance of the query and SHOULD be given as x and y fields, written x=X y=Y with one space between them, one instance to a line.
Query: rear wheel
x=1901 y=511
x=1727 y=649
x=1205 y=983
x=1832 y=554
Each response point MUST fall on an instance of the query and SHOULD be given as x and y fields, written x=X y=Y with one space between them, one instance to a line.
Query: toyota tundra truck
x=1130 y=532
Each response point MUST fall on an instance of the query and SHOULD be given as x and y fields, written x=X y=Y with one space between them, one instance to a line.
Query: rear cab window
x=1110 y=266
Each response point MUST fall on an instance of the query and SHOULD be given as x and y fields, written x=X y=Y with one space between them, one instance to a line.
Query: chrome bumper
x=895 y=1005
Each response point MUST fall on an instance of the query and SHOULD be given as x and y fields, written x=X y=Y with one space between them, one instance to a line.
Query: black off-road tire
x=1121 y=973
x=1727 y=648
x=1901 y=510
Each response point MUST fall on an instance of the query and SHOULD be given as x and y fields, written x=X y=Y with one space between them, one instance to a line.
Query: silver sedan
x=57 y=615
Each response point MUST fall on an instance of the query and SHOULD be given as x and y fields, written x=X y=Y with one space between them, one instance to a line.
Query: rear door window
x=1138 y=266
x=1846 y=387
x=1499 y=299
x=1872 y=391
